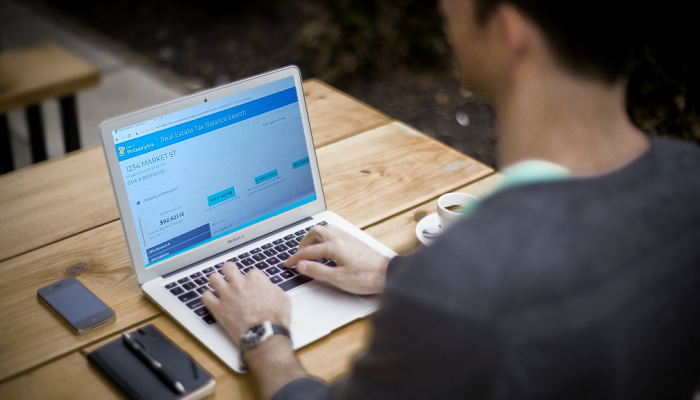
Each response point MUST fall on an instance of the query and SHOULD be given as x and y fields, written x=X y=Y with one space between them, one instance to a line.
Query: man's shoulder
x=677 y=164
x=541 y=239
x=670 y=168
x=674 y=146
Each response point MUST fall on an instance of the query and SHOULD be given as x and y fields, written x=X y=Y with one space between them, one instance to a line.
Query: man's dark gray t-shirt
x=577 y=289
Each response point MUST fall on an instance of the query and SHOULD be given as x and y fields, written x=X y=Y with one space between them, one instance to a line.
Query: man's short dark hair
x=590 y=38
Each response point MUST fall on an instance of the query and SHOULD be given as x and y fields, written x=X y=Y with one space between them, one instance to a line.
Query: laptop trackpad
x=322 y=307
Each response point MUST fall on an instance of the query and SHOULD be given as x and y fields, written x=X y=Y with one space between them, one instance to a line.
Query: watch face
x=252 y=336
x=258 y=329
x=247 y=342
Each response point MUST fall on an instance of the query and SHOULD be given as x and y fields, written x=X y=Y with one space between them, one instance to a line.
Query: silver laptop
x=229 y=174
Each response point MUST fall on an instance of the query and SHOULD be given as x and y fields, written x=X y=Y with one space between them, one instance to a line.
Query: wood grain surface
x=41 y=72
x=54 y=200
x=59 y=198
x=379 y=173
x=335 y=116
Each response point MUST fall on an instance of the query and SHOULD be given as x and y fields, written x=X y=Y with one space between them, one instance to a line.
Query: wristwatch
x=260 y=333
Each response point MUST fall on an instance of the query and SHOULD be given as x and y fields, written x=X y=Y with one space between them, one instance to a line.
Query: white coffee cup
x=447 y=216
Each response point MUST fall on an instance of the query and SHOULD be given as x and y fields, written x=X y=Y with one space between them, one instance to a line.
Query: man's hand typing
x=242 y=302
x=360 y=270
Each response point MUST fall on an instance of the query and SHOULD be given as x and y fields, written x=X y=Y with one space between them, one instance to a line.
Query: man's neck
x=579 y=124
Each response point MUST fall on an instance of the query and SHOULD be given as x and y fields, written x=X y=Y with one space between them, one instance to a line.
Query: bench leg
x=36 y=133
x=5 y=147
x=69 y=118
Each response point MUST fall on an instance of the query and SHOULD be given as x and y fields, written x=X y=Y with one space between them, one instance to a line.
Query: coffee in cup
x=452 y=206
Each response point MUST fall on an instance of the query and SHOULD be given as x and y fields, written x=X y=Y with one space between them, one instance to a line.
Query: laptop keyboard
x=267 y=258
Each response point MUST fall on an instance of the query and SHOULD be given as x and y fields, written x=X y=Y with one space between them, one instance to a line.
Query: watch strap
x=251 y=338
x=280 y=330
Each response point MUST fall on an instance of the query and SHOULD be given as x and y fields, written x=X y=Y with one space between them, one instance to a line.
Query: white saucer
x=430 y=220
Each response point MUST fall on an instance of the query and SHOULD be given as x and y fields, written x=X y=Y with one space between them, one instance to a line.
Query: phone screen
x=75 y=303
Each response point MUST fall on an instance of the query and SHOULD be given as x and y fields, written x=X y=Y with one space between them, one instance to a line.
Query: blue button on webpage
x=265 y=177
x=300 y=163
x=223 y=195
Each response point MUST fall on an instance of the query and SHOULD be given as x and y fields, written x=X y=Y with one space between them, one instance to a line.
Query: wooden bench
x=31 y=75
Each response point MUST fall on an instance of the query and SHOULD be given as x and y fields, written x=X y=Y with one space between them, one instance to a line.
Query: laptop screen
x=209 y=170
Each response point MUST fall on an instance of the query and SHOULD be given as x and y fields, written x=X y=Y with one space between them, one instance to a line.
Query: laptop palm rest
x=324 y=307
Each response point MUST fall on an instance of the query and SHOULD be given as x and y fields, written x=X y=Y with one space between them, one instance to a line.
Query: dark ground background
x=391 y=54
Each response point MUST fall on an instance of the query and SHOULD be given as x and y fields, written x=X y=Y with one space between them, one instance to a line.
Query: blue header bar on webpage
x=189 y=130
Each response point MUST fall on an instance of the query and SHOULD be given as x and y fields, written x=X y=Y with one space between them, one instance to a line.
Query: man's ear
x=515 y=31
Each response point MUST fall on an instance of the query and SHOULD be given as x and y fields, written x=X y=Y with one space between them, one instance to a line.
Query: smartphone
x=76 y=305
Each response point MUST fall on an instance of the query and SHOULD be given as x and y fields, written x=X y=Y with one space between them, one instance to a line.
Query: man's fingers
x=217 y=282
x=210 y=300
x=313 y=252
x=257 y=274
x=230 y=271
x=258 y=278
x=316 y=270
x=312 y=237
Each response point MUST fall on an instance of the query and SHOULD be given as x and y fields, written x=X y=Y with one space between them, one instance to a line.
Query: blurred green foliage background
x=354 y=36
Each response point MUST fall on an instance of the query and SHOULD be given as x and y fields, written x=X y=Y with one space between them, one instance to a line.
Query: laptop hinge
x=303 y=221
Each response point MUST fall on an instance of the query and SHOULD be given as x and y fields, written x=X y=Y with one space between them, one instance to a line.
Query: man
x=581 y=288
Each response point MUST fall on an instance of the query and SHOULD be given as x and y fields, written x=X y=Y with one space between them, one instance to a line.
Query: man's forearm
x=273 y=364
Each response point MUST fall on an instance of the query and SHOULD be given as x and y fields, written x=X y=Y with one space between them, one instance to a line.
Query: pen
x=152 y=363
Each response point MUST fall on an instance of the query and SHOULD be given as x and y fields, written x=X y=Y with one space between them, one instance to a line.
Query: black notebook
x=138 y=381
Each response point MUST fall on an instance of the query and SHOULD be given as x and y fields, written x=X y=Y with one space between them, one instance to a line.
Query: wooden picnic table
x=376 y=172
